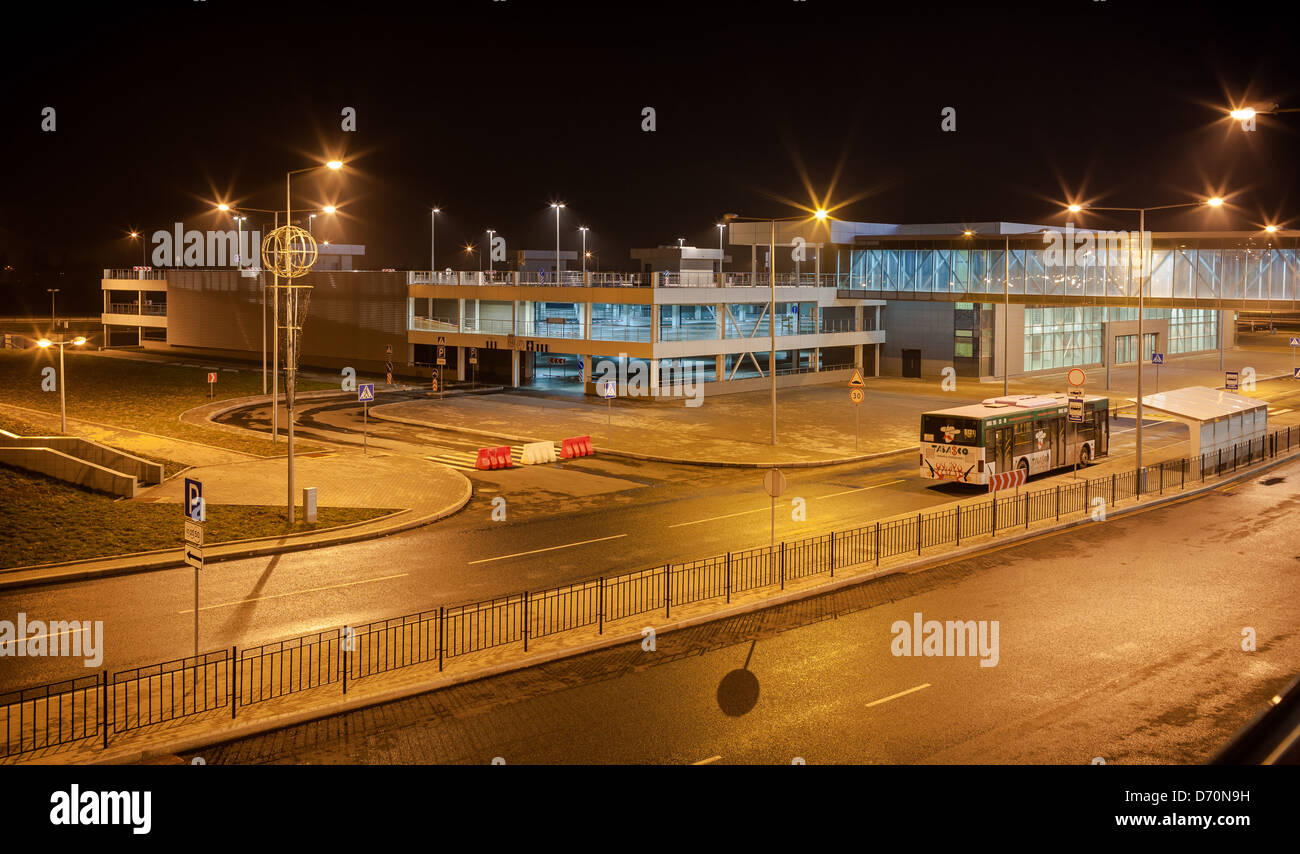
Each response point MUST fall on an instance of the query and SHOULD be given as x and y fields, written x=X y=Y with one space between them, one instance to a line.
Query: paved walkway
x=817 y=425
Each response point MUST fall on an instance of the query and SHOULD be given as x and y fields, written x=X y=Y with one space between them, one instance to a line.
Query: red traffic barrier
x=1006 y=480
x=578 y=446
x=494 y=458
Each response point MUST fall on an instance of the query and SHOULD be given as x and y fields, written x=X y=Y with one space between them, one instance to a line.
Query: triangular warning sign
x=857 y=382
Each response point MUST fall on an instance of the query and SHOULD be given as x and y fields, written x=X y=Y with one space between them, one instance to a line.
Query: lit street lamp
x=722 y=228
x=60 y=342
x=490 y=232
x=1214 y=202
x=557 y=206
x=52 y=292
x=820 y=215
x=584 y=230
x=433 y=233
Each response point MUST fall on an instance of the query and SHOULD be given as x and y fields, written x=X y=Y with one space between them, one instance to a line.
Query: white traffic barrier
x=538 y=452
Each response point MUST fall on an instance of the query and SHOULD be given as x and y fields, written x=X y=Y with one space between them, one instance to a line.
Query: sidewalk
x=816 y=425
x=406 y=668
x=418 y=491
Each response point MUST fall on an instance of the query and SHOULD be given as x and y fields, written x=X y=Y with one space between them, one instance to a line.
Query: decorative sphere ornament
x=289 y=252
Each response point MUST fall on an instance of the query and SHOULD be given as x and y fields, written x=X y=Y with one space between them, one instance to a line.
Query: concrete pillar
x=816 y=365
x=654 y=377
x=876 y=371
x=460 y=316
x=586 y=369
x=720 y=314
x=719 y=367
x=460 y=361
x=857 y=356
x=654 y=323
x=514 y=368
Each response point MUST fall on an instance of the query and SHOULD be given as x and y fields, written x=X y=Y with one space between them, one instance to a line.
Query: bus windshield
x=945 y=429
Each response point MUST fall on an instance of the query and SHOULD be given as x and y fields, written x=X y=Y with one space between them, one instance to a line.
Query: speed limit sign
x=855 y=395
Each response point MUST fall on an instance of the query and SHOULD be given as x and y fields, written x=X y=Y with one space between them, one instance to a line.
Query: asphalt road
x=565 y=522
x=1120 y=641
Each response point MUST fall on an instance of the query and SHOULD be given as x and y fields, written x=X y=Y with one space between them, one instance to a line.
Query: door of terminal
x=912 y=363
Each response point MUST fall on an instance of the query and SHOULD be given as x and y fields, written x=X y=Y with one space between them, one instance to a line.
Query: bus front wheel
x=1085 y=456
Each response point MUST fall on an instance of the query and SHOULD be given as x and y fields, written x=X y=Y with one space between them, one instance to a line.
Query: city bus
x=966 y=444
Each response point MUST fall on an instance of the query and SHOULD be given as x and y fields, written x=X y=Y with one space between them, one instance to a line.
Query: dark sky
x=493 y=109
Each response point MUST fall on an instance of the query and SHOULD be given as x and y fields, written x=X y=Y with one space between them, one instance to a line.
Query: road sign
x=193 y=533
x=193 y=506
x=366 y=393
x=1075 y=377
x=473 y=355
x=388 y=350
x=608 y=389
x=1295 y=342
x=855 y=395
x=1230 y=380
x=1006 y=480
x=194 y=556
x=434 y=379
x=1075 y=394
x=794 y=308
x=1074 y=412
x=442 y=354
x=774 y=482
x=212 y=376
x=1157 y=358
x=857 y=382
x=1295 y=373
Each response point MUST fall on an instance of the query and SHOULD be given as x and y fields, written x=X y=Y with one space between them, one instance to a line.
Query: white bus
x=968 y=443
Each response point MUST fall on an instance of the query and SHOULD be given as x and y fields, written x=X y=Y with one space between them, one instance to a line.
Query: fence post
x=1026 y=509
x=781 y=568
x=232 y=675
x=877 y=544
x=994 y=531
x=918 y=533
x=525 y=621
x=1112 y=489
x=832 y=554
x=1182 y=475
x=600 y=608
x=668 y=589
x=103 y=708
x=1058 y=502
x=728 y=578
x=959 y=525
x=1162 y=478
x=343 y=655
x=442 y=636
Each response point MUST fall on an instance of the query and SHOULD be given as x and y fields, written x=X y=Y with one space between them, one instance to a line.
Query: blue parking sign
x=194 y=508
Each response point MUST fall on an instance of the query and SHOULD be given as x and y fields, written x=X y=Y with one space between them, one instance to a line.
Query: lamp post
x=433 y=234
x=820 y=215
x=135 y=235
x=61 y=341
x=1213 y=202
x=722 y=227
x=583 y=229
x=557 y=206
x=490 y=232
x=52 y=292
x=290 y=363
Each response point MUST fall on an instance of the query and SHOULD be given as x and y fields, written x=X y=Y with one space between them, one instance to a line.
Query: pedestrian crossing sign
x=366 y=393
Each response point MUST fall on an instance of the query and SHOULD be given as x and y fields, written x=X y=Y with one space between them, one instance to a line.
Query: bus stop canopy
x=1215 y=418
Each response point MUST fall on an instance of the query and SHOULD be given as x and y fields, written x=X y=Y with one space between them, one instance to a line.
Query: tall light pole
x=309 y=223
x=290 y=361
x=722 y=227
x=61 y=341
x=490 y=232
x=52 y=292
x=433 y=233
x=135 y=235
x=1214 y=202
x=583 y=229
x=820 y=215
x=557 y=206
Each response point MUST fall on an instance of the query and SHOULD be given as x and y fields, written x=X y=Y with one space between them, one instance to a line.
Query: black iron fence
x=47 y=716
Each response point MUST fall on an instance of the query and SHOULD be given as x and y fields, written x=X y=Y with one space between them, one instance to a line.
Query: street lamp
x=557 y=206
x=584 y=229
x=309 y=223
x=820 y=215
x=471 y=249
x=1213 y=202
x=433 y=255
x=135 y=235
x=490 y=232
x=52 y=292
x=63 y=398
x=722 y=227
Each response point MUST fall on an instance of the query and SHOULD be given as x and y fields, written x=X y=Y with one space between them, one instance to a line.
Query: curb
x=83 y=570
x=198 y=740
x=415 y=422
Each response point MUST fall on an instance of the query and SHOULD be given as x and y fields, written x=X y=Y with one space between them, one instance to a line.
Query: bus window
x=1024 y=441
x=948 y=430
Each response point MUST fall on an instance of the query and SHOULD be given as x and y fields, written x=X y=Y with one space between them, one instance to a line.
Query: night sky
x=494 y=109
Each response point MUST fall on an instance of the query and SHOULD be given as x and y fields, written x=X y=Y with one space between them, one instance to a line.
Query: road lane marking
x=896 y=696
x=728 y=516
x=547 y=549
x=860 y=489
x=295 y=593
x=707 y=761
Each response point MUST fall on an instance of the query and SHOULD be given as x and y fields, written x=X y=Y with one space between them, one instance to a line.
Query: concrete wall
x=924 y=326
x=70 y=469
x=143 y=471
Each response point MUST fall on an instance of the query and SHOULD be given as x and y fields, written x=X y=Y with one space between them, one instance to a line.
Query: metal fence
x=47 y=716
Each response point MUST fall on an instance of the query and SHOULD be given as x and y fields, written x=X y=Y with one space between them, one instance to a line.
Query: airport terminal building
x=905 y=300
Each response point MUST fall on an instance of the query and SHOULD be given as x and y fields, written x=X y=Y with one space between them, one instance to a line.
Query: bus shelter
x=1215 y=418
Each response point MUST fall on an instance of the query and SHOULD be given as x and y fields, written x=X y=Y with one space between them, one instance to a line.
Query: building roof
x=1200 y=403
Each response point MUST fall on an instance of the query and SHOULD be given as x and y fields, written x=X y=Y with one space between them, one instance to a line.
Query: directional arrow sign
x=194 y=556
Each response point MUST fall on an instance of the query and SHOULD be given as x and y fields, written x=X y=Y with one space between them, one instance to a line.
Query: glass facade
x=1090 y=265
x=1193 y=329
x=1062 y=337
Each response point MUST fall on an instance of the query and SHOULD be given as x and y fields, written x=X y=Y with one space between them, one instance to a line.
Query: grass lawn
x=43 y=520
x=141 y=395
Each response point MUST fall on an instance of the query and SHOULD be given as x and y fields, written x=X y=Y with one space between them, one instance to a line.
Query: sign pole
x=196 y=612
x=365 y=429
x=857 y=428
